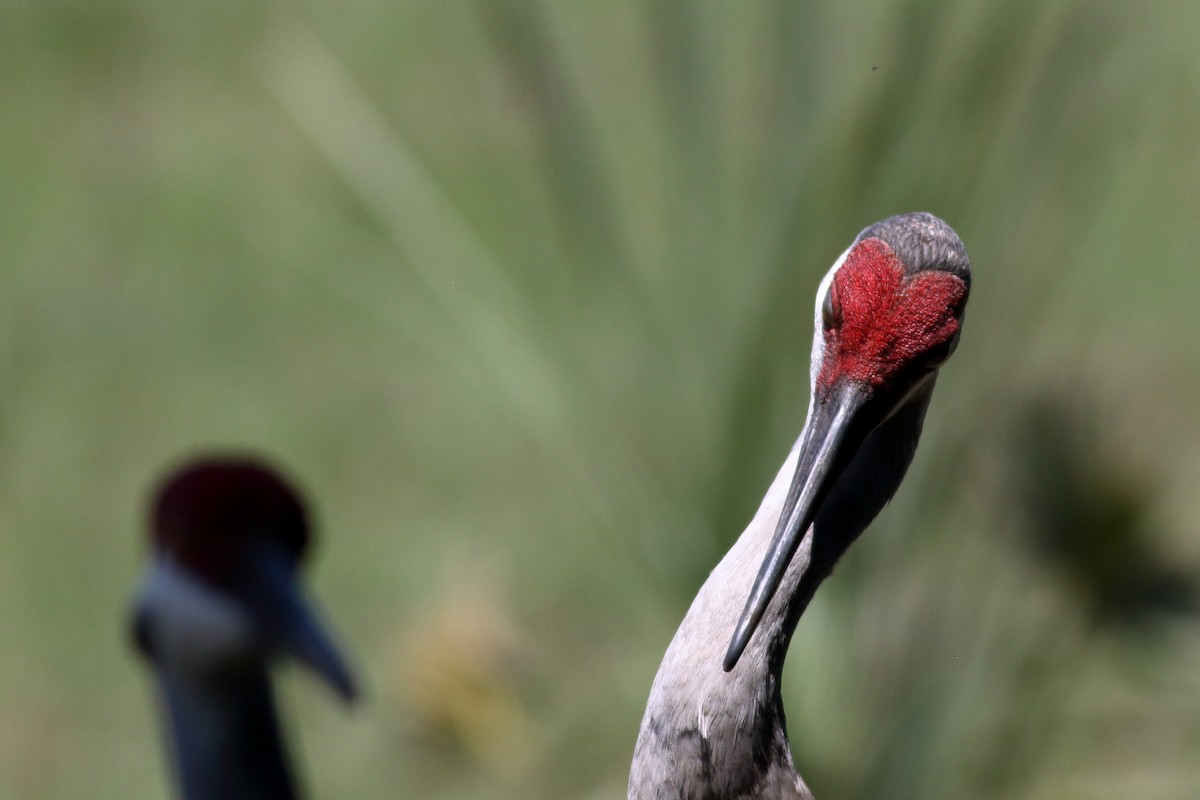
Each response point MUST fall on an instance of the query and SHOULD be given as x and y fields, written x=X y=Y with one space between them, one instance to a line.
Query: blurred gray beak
x=197 y=631
x=288 y=622
x=210 y=648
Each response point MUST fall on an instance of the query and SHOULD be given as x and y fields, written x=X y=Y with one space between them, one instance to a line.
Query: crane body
x=219 y=603
x=888 y=314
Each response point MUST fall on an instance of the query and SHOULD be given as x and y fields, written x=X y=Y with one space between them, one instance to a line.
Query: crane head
x=221 y=592
x=888 y=315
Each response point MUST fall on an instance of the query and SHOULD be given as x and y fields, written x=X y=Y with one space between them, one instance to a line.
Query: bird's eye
x=831 y=311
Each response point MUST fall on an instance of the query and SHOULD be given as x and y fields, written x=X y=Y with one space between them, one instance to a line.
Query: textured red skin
x=207 y=512
x=887 y=317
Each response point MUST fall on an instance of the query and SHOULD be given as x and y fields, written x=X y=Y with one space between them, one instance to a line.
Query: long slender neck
x=227 y=742
x=708 y=734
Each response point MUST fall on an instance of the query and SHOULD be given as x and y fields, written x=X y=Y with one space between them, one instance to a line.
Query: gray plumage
x=709 y=734
x=227 y=741
x=922 y=241
x=220 y=602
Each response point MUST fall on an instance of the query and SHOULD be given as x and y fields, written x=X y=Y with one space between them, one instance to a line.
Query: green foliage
x=523 y=293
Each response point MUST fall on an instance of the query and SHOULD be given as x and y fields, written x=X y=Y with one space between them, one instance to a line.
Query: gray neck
x=227 y=743
x=712 y=735
x=709 y=734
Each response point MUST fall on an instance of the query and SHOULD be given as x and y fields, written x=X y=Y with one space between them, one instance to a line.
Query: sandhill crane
x=218 y=602
x=888 y=315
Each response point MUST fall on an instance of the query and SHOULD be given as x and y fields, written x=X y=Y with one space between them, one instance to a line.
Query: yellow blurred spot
x=458 y=674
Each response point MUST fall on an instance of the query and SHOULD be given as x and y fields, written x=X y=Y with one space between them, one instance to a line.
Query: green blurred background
x=522 y=293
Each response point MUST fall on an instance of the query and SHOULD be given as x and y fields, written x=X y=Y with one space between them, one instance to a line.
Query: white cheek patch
x=818 y=346
x=195 y=629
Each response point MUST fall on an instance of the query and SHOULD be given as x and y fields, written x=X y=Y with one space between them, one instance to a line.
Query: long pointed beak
x=826 y=435
x=291 y=625
x=308 y=642
x=209 y=648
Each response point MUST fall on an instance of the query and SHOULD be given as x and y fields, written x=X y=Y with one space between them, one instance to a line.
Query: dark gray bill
x=816 y=469
x=289 y=624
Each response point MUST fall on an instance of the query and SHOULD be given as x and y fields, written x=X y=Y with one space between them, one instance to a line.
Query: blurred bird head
x=227 y=536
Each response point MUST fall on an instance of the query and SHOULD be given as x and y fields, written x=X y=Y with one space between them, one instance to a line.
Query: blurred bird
x=218 y=603
x=888 y=315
